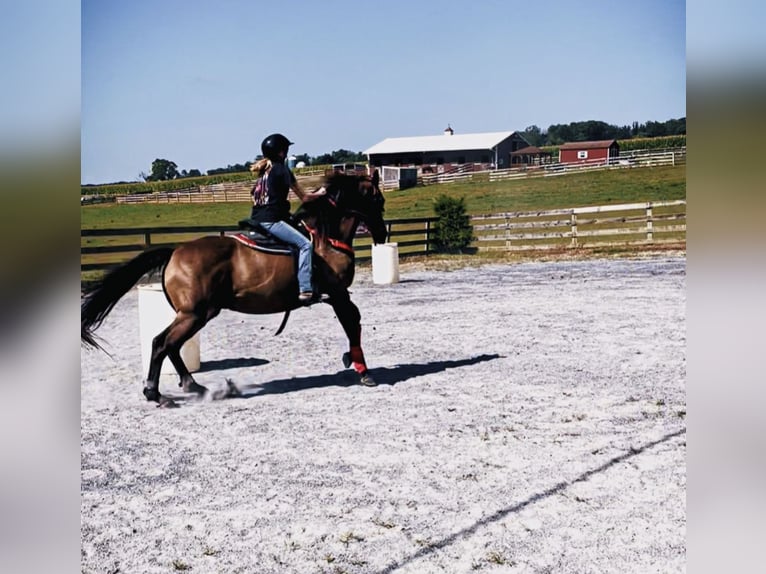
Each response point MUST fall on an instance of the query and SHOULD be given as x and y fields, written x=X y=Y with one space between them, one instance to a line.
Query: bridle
x=335 y=200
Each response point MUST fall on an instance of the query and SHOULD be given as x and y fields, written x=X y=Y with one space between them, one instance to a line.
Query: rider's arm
x=307 y=195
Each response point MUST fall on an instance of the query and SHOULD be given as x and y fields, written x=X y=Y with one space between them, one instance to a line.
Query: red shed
x=578 y=152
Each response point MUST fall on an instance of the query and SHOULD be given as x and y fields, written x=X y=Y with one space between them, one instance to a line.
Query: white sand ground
x=530 y=418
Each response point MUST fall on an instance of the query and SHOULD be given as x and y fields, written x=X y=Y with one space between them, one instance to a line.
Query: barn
x=530 y=155
x=578 y=152
x=492 y=149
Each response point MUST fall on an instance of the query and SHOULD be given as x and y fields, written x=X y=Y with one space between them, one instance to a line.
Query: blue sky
x=201 y=83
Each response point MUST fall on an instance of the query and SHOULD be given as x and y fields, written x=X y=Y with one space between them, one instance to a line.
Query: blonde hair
x=261 y=166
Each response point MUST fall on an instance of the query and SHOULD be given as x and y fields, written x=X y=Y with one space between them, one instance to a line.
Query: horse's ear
x=375 y=178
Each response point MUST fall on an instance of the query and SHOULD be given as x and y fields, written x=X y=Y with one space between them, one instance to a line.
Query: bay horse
x=205 y=275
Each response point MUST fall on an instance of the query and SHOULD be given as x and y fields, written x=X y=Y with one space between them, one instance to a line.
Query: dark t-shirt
x=270 y=195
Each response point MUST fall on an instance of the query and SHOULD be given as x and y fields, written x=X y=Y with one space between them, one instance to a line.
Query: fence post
x=649 y=223
x=428 y=236
x=148 y=238
x=574 y=229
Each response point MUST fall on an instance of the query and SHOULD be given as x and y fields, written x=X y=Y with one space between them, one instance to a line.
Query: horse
x=205 y=275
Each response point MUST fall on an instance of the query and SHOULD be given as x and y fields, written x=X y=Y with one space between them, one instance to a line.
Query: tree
x=453 y=230
x=347 y=156
x=162 y=170
x=190 y=173
x=338 y=156
x=533 y=135
x=323 y=159
x=236 y=168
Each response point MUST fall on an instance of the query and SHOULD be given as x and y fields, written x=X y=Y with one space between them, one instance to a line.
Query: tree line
x=593 y=130
x=556 y=134
x=164 y=170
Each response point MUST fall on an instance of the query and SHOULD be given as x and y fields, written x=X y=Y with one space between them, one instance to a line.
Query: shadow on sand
x=348 y=378
x=344 y=378
x=223 y=364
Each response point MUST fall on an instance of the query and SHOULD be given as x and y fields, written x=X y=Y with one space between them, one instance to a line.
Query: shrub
x=453 y=231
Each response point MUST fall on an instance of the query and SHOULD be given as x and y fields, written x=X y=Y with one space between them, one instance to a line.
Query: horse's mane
x=320 y=209
x=339 y=182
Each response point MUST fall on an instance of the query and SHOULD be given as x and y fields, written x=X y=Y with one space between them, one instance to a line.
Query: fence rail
x=627 y=160
x=625 y=224
x=233 y=191
x=650 y=223
x=218 y=192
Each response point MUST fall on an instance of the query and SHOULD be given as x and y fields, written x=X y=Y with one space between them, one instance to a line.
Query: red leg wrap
x=357 y=360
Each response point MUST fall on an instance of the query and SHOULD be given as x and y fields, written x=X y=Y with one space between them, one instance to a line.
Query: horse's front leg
x=349 y=317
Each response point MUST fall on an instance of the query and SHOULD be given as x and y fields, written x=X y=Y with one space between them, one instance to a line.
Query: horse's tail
x=104 y=294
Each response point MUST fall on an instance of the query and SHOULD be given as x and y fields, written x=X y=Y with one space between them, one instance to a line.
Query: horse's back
x=203 y=254
x=225 y=274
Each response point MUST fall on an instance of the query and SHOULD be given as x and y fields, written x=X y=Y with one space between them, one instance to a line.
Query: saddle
x=255 y=237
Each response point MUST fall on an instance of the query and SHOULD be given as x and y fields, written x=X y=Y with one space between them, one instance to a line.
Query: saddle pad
x=263 y=243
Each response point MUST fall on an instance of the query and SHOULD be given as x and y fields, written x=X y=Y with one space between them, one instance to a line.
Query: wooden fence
x=630 y=224
x=626 y=160
x=233 y=191
x=102 y=249
x=652 y=223
x=218 y=192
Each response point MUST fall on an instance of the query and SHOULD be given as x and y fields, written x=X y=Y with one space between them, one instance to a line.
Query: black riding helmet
x=273 y=144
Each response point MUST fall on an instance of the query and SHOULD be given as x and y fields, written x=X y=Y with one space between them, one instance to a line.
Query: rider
x=271 y=208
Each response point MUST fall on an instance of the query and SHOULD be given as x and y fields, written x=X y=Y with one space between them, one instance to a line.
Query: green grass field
x=482 y=198
x=533 y=194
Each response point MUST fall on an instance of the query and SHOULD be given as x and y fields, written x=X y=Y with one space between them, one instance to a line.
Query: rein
x=337 y=244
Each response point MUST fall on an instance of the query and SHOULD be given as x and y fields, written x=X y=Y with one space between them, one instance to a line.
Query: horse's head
x=361 y=196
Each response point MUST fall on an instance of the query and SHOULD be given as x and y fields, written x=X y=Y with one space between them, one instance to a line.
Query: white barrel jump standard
x=154 y=314
x=385 y=263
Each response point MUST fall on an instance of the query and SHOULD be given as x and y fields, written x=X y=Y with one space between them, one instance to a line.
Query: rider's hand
x=316 y=194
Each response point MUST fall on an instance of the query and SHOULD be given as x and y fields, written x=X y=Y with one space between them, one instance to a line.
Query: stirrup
x=306 y=297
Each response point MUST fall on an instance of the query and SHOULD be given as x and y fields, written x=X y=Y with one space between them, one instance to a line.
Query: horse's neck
x=344 y=231
x=347 y=229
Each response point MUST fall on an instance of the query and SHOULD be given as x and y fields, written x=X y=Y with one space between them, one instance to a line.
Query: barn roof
x=588 y=145
x=483 y=141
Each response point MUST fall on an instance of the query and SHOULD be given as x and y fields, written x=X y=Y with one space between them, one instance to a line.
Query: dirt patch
x=530 y=417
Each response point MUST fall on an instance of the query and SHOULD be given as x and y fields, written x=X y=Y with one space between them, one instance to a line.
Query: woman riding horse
x=203 y=276
x=271 y=209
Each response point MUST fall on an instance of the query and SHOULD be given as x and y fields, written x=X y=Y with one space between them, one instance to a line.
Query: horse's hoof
x=346 y=360
x=166 y=403
x=367 y=380
x=193 y=387
x=232 y=392
x=152 y=394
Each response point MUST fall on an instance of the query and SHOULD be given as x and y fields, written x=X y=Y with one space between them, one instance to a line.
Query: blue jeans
x=287 y=233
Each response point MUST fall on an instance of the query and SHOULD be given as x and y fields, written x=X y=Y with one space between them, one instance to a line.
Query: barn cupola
x=449 y=131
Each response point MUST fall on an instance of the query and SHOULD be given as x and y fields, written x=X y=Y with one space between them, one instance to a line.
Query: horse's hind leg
x=168 y=344
x=350 y=319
